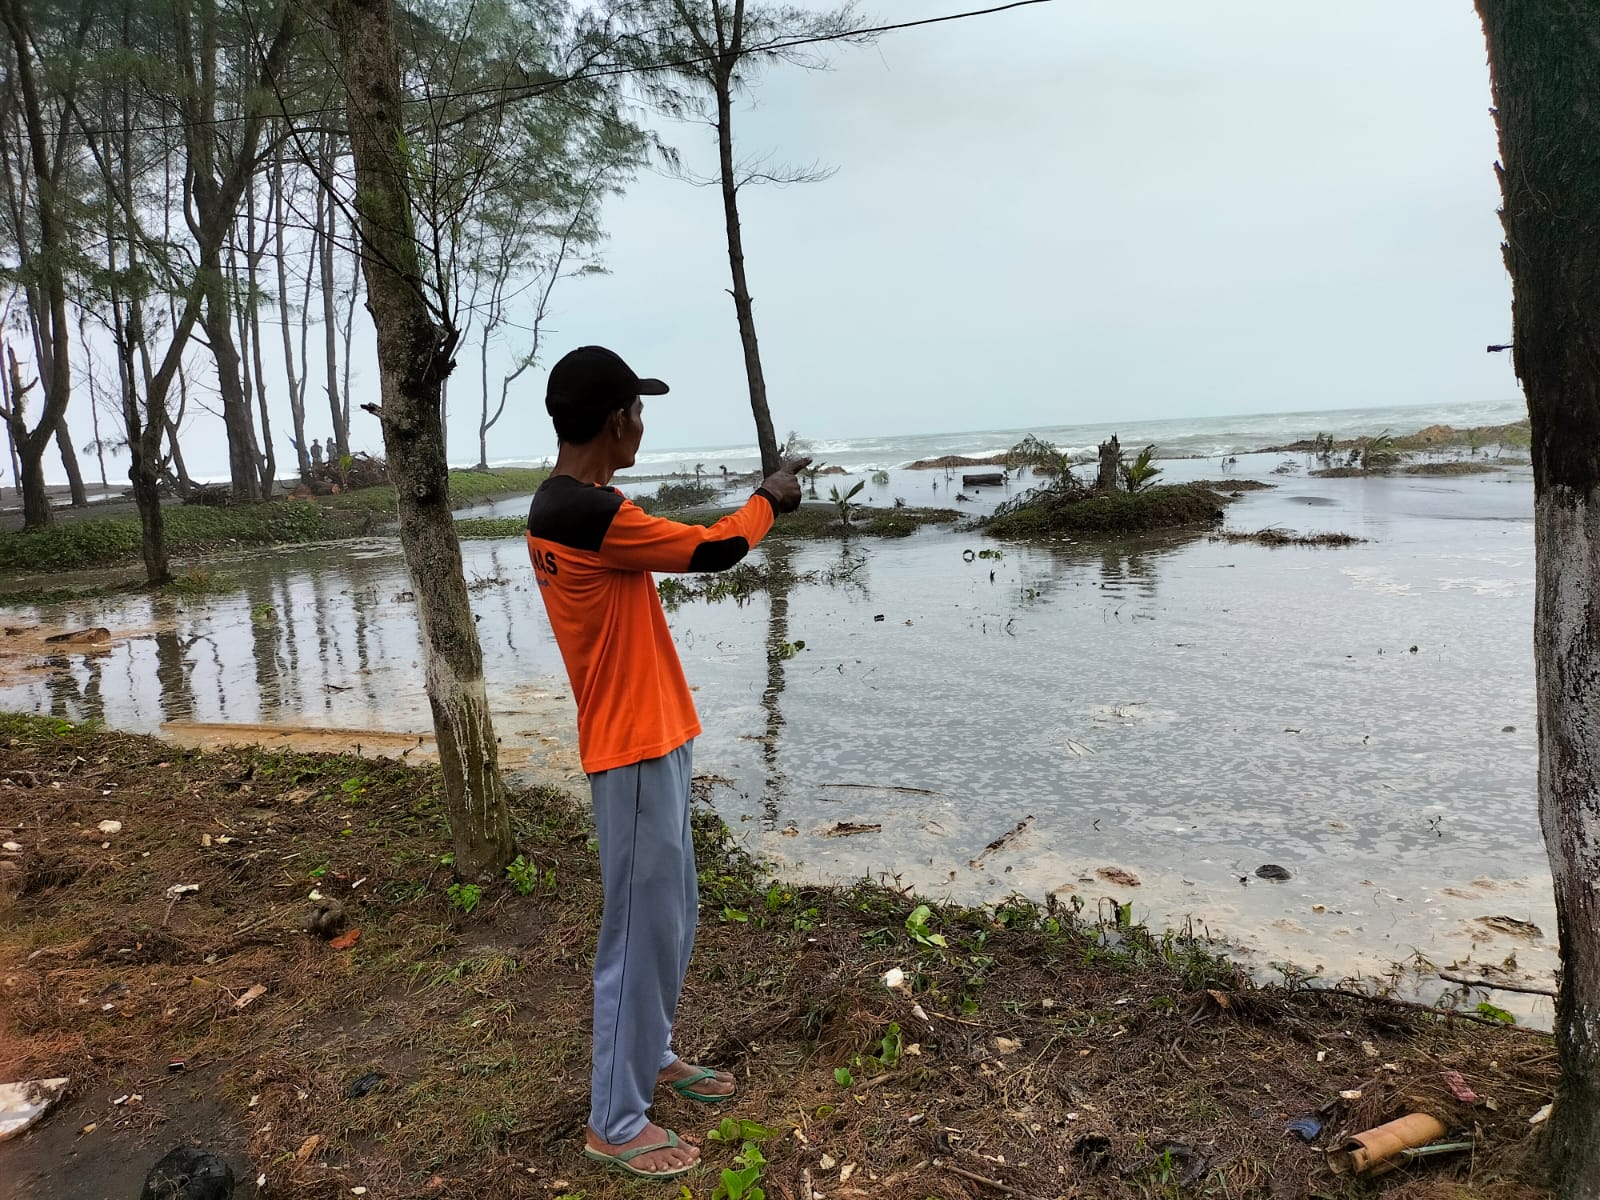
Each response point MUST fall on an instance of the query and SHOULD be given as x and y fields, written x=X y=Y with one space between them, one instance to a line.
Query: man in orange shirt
x=593 y=552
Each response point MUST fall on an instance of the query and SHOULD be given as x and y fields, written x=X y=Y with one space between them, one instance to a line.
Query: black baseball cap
x=595 y=380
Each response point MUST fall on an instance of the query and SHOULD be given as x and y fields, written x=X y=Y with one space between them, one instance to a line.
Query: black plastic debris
x=188 y=1173
x=364 y=1085
x=1273 y=871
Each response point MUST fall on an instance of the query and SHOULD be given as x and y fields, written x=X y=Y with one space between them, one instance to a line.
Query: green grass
x=466 y=487
x=73 y=545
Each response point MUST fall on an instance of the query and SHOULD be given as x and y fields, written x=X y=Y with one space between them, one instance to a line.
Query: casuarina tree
x=1544 y=61
x=415 y=353
x=704 y=54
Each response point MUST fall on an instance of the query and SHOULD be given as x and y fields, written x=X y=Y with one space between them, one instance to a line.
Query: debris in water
x=97 y=636
x=1001 y=842
x=1513 y=927
x=1118 y=876
x=850 y=829
x=1273 y=871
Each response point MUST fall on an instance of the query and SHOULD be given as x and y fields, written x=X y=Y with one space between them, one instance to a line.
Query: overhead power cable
x=511 y=93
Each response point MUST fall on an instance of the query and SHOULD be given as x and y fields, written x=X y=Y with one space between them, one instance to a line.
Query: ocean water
x=1180 y=437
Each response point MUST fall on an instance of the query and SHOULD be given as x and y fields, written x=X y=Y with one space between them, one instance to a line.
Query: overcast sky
x=1080 y=210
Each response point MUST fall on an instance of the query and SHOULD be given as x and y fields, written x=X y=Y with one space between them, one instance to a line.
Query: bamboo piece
x=1377 y=1151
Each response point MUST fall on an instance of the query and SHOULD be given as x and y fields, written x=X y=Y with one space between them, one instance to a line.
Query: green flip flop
x=685 y=1087
x=624 y=1161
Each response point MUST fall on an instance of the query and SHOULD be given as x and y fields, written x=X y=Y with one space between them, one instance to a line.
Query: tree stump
x=1110 y=460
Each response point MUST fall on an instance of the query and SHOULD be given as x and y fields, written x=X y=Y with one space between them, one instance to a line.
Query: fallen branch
x=884 y=787
x=1002 y=1188
x=1000 y=842
x=1431 y=1010
x=1498 y=987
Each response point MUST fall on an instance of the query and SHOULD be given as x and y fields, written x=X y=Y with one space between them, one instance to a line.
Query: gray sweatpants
x=641 y=813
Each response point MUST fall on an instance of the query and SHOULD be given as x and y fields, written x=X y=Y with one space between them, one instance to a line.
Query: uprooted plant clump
x=1273 y=536
x=1075 y=513
x=884 y=1047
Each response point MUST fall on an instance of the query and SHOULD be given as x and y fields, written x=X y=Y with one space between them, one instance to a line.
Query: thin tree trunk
x=236 y=418
x=69 y=461
x=330 y=320
x=1544 y=59
x=11 y=433
x=345 y=331
x=483 y=420
x=35 y=496
x=250 y=331
x=414 y=356
x=297 y=403
x=743 y=306
x=94 y=398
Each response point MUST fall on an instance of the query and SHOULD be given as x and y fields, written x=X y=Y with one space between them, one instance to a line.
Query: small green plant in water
x=917 y=927
x=464 y=896
x=1136 y=476
x=843 y=501
x=881 y=478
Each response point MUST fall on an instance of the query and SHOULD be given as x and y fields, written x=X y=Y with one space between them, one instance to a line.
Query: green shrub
x=1046 y=514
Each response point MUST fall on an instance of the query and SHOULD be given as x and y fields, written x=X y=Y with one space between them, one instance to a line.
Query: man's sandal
x=624 y=1161
x=685 y=1087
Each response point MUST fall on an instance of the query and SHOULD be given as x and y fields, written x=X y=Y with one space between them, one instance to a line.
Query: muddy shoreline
x=443 y=1051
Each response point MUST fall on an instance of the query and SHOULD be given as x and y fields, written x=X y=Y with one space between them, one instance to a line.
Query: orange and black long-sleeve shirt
x=593 y=551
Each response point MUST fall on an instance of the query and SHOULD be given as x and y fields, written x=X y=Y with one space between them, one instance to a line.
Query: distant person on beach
x=592 y=553
x=316 y=453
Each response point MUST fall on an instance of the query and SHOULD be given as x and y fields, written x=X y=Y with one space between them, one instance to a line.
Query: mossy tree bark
x=1544 y=60
x=415 y=354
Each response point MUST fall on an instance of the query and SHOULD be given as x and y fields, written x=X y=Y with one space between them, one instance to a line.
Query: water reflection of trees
x=1126 y=567
x=73 y=686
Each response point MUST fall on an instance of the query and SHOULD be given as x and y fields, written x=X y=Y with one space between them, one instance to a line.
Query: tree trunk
x=1544 y=60
x=250 y=334
x=35 y=497
x=51 y=317
x=330 y=321
x=1105 y=479
x=414 y=356
x=236 y=416
x=743 y=307
x=297 y=401
x=69 y=462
